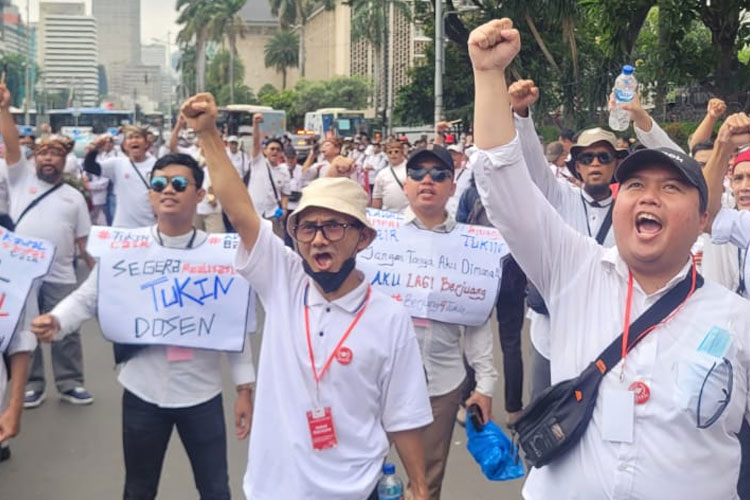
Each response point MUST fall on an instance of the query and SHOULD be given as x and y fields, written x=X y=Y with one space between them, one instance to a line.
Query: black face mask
x=330 y=281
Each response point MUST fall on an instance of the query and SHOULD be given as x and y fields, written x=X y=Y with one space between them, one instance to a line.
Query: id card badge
x=618 y=415
x=322 y=433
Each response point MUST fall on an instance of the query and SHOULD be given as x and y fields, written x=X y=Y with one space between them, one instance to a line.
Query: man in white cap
x=237 y=156
x=340 y=374
x=667 y=412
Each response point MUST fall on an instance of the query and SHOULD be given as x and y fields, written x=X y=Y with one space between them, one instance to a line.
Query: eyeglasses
x=179 y=182
x=332 y=231
x=710 y=409
x=436 y=174
x=588 y=158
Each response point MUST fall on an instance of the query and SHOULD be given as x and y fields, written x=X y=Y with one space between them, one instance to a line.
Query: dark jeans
x=146 y=429
x=510 y=311
x=743 y=485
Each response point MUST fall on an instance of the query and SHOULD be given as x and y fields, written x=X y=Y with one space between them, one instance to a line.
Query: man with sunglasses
x=429 y=186
x=167 y=386
x=341 y=376
x=43 y=206
x=269 y=178
x=388 y=193
x=667 y=413
x=586 y=208
x=127 y=176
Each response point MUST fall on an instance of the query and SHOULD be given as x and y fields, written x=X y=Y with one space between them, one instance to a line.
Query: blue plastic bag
x=494 y=452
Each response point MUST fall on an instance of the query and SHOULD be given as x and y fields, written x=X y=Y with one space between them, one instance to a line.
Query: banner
x=22 y=261
x=450 y=277
x=150 y=294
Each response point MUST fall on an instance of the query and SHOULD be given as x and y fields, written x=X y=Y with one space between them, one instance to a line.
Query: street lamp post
x=440 y=54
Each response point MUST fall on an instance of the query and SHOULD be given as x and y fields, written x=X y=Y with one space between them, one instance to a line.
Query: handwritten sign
x=150 y=294
x=450 y=277
x=22 y=261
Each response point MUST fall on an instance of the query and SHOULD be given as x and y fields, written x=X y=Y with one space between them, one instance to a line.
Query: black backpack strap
x=273 y=185
x=36 y=201
x=148 y=188
x=650 y=317
x=606 y=224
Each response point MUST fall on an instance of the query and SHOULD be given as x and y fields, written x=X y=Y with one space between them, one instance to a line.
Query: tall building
x=121 y=21
x=67 y=51
x=14 y=33
x=154 y=54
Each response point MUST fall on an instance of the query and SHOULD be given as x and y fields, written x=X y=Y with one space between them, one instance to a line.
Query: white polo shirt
x=388 y=189
x=60 y=218
x=261 y=191
x=131 y=190
x=733 y=226
x=585 y=287
x=240 y=161
x=381 y=390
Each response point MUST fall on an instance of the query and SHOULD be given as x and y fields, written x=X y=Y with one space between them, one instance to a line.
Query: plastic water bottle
x=390 y=486
x=625 y=88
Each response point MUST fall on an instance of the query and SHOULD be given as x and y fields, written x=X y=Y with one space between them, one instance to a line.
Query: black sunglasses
x=588 y=158
x=332 y=231
x=179 y=182
x=436 y=174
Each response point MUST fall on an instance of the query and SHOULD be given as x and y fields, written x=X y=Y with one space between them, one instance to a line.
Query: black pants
x=510 y=311
x=743 y=485
x=146 y=429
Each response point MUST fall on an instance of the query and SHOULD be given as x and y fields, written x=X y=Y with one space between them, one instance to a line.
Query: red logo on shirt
x=344 y=355
x=127 y=175
x=33 y=190
x=641 y=390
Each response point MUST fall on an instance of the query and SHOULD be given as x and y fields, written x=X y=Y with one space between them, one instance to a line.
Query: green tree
x=294 y=14
x=14 y=66
x=196 y=16
x=282 y=52
x=226 y=22
x=220 y=67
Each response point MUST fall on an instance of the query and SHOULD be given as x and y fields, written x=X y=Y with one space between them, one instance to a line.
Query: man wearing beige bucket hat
x=340 y=374
x=587 y=209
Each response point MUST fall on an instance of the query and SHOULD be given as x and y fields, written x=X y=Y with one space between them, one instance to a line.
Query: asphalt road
x=66 y=452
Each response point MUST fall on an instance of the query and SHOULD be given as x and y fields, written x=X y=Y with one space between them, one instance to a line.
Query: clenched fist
x=523 y=94
x=200 y=112
x=735 y=132
x=716 y=108
x=493 y=45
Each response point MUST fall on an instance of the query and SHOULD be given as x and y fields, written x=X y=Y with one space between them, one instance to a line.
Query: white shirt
x=265 y=198
x=60 y=218
x=4 y=196
x=133 y=208
x=297 y=182
x=656 y=137
x=204 y=207
x=388 y=189
x=733 y=226
x=585 y=286
x=381 y=390
x=239 y=160
x=577 y=208
x=22 y=341
x=149 y=374
x=462 y=178
x=440 y=343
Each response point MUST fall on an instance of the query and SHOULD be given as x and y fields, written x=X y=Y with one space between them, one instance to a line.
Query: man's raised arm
x=8 y=128
x=200 y=113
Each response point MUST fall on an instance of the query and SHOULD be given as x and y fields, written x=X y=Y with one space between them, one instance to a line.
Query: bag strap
x=148 y=188
x=36 y=201
x=606 y=224
x=650 y=317
x=400 y=184
x=273 y=185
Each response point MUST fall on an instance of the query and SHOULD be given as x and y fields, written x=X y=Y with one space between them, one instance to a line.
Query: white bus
x=238 y=119
x=335 y=122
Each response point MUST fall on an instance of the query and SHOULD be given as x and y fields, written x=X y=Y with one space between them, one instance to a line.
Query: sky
x=157 y=17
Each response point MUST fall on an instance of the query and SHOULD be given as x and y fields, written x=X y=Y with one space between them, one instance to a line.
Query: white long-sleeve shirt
x=149 y=374
x=440 y=343
x=656 y=137
x=585 y=286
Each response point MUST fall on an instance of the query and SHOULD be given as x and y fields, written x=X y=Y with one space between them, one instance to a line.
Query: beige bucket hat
x=339 y=194
x=589 y=137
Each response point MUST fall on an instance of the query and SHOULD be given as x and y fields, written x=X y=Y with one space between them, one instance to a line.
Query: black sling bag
x=555 y=421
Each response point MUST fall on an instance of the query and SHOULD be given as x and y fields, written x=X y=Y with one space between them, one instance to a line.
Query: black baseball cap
x=438 y=153
x=689 y=169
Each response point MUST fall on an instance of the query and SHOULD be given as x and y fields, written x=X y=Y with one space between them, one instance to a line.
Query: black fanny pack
x=555 y=421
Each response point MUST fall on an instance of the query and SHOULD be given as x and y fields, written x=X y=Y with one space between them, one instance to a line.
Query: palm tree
x=282 y=52
x=226 y=22
x=195 y=16
x=294 y=14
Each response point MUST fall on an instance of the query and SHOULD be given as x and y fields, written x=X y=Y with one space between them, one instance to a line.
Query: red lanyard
x=317 y=375
x=626 y=326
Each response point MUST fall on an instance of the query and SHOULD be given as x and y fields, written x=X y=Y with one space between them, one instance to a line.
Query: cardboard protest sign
x=150 y=294
x=450 y=277
x=22 y=261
